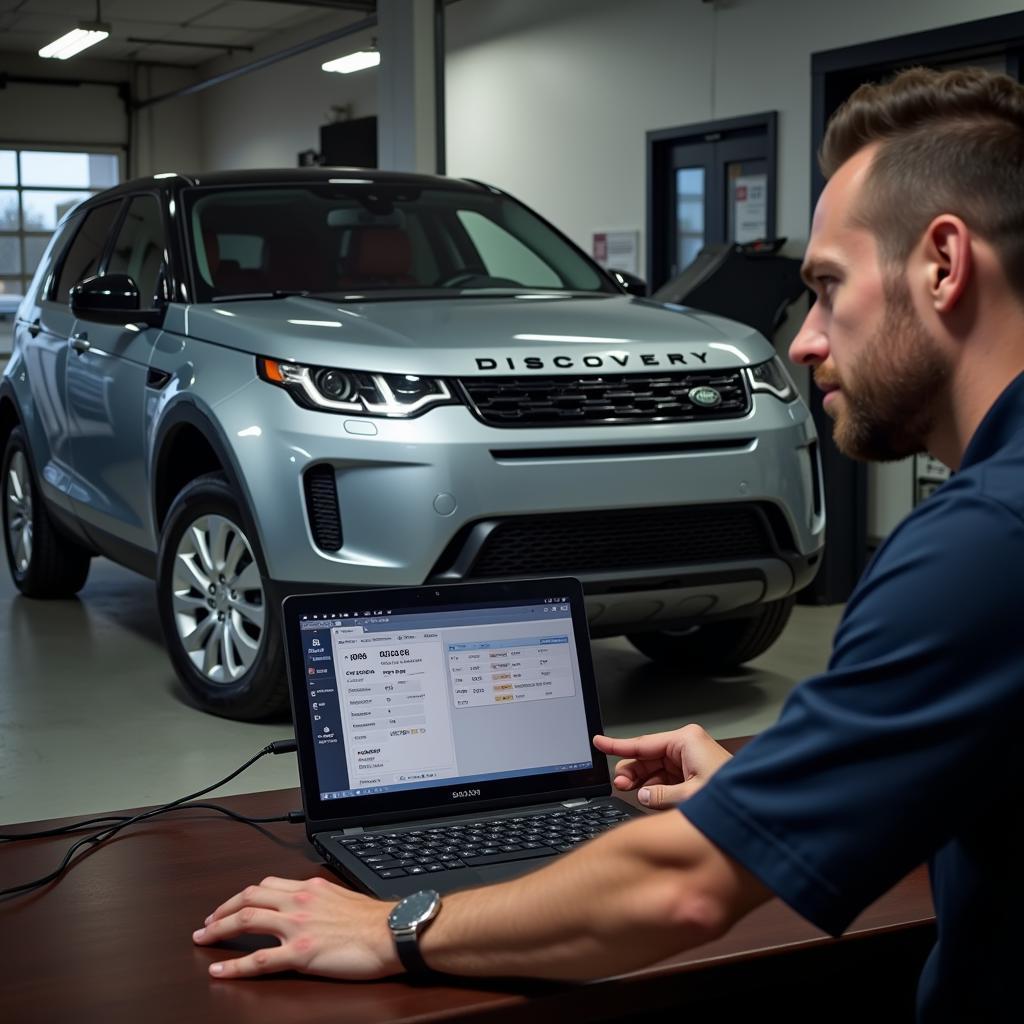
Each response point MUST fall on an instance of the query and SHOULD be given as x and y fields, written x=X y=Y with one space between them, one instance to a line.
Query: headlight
x=353 y=391
x=773 y=378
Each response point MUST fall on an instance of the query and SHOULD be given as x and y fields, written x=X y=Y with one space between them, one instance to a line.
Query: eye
x=825 y=286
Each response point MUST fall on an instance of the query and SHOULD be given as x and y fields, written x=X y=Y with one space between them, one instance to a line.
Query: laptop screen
x=467 y=688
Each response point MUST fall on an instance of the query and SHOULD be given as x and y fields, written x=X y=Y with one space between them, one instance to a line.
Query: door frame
x=660 y=144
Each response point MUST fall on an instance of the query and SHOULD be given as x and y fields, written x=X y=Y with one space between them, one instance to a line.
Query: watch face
x=415 y=909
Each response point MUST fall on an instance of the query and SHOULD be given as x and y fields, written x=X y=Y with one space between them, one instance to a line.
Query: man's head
x=922 y=171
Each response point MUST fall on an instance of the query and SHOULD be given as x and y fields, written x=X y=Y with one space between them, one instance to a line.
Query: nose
x=810 y=346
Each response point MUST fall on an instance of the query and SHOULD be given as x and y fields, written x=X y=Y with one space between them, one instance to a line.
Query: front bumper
x=415 y=495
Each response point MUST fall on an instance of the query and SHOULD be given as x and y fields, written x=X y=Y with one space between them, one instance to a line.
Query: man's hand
x=324 y=929
x=637 y=894
x=666 y=767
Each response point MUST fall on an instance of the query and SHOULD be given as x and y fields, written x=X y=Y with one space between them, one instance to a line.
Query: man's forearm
x=646 y=890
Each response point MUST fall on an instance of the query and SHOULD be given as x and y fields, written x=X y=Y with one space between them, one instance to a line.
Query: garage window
x=37 y=187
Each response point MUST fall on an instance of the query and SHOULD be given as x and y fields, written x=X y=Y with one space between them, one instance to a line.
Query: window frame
x=166 y=269
x=23 y=280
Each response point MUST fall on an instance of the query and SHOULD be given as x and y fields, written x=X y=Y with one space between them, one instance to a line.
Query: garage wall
x=265 y=118
x=94 y=115
x=552 y=101
x=166 y=135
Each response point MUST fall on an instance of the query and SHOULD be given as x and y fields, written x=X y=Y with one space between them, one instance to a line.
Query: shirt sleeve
x=877 y=762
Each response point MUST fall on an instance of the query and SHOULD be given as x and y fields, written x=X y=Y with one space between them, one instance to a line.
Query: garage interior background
x=550 y=101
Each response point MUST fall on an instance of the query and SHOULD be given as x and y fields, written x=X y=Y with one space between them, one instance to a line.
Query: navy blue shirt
x=907 y=748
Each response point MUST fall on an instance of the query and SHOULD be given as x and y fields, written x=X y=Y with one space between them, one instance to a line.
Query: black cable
x=13 y=837
x=276 y=747
x=292 y=817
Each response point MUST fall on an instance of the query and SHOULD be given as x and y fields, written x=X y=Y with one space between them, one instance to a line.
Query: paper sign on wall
x=750 y=206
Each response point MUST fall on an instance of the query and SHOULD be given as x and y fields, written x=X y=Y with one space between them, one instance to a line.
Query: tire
x=717 y=646
x=221 y=633
x=43 y=562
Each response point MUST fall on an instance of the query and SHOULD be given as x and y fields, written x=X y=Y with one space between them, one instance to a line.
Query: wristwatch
x=407 y=919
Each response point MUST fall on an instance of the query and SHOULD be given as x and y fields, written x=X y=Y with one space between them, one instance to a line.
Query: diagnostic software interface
x=408 y=698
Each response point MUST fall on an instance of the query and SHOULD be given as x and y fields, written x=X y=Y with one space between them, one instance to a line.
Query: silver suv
x=250 y=384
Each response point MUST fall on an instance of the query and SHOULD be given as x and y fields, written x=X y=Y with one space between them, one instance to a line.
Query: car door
x=106 y=392
x=45 y=334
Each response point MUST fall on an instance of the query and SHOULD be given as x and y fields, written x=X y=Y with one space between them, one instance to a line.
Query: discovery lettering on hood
x=595 y=362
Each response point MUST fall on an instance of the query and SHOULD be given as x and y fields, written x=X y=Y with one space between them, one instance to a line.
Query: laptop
x=444 y=732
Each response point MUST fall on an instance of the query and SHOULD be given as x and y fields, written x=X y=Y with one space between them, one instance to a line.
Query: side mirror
x=630 y=282
x=112 y=299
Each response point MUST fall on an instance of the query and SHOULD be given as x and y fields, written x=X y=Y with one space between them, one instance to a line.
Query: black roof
x=293 y=175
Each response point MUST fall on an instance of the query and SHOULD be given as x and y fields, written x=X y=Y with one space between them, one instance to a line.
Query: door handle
x=80 y=343
x=35 y=327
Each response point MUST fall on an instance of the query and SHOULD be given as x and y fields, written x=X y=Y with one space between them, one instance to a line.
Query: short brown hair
x=950 y=142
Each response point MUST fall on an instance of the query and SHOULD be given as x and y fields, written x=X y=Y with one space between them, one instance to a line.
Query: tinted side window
x=83 y=257
x=139 y=248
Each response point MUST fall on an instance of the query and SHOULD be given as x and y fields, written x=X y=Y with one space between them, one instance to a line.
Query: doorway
x=708 y=183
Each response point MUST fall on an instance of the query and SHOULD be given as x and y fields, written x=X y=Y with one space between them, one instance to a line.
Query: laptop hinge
x=354 y=831
x=575 y=803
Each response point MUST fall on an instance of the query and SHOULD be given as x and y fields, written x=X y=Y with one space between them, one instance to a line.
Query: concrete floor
x=92 y=717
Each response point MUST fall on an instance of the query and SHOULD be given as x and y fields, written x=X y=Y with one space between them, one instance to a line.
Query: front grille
x=608 y=398
x=595 y=542
x=322 y=507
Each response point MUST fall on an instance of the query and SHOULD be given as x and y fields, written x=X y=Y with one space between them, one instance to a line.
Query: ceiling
x=153 y=31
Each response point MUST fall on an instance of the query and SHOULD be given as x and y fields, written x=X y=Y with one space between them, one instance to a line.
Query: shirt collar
x=1001 y=424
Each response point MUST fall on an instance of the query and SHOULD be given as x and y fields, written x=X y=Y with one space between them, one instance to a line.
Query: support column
x=407 y=118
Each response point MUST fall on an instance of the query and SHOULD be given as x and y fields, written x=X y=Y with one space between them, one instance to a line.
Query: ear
x=948 y=261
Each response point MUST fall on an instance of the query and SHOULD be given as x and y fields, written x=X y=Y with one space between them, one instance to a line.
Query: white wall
x=265 y=118
x=552 y=100
x=166 y=135
x=94 y=115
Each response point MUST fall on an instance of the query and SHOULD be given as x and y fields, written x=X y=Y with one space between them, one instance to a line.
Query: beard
x=886 y=410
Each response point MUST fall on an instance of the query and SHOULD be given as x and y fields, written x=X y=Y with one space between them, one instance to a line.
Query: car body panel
x=480 y=335
x=106 y=404
x=406 y=464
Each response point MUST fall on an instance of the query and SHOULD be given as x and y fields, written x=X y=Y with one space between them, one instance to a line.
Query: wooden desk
x=111 y=941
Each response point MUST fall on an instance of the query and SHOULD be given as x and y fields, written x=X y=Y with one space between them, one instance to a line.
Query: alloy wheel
x=218 y=600
x=19 y=511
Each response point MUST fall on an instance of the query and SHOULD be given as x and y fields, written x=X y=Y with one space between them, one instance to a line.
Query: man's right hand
x=665 y=767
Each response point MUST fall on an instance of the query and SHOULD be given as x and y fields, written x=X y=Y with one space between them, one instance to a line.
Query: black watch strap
x=407 y=945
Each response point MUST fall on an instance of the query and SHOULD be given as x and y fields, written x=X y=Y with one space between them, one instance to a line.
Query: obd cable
x=122 y=821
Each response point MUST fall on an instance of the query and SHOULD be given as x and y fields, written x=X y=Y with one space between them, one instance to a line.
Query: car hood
x=491 y=335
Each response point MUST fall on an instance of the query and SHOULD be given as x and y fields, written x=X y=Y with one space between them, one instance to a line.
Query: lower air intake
x=322 y=507
x=594 y=542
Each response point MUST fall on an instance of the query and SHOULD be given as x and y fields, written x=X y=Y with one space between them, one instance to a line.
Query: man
x=903 y=750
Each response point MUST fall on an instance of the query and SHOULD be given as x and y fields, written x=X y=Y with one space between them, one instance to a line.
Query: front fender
x=187 y=410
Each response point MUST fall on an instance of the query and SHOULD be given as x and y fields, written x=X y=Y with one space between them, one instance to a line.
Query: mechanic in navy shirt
x=904 y=749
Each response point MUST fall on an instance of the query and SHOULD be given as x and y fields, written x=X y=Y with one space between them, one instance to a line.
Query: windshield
x=377 y=240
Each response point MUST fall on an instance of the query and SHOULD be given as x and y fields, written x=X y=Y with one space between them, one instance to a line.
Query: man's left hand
x=324 y=929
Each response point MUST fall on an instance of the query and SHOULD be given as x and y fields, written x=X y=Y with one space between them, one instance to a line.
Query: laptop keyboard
x=477 y=843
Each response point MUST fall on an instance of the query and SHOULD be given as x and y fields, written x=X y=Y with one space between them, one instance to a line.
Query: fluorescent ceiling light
x=353 y=62
x=75 y=41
